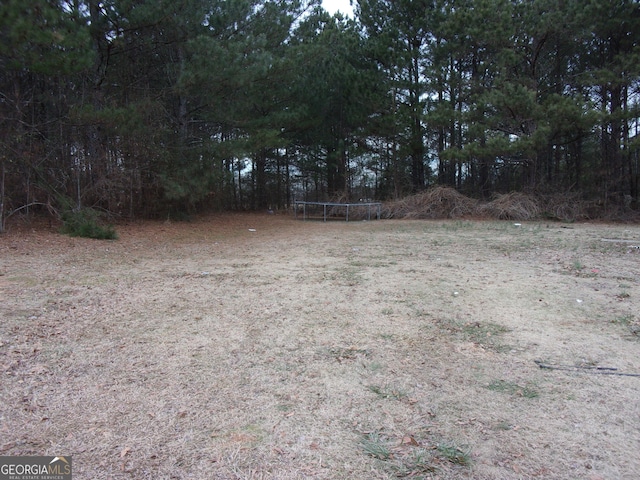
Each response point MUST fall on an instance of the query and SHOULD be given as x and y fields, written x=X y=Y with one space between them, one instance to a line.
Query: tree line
x=149 y=109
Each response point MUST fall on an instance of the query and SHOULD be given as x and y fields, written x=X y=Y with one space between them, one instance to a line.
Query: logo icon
x=35 y=468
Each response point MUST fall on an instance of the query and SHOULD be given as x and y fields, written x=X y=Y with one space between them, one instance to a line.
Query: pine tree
x=42 y=45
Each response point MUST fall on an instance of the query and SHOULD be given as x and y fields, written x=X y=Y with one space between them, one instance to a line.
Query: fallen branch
x=52 y=210
x=586 y=369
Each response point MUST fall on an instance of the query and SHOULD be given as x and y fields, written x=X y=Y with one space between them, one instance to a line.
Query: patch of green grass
x=388 y=391
x=370 y=264
x=630 y=322
x=348 y=276
x=625 y=320
x=513 y=389
x=240 y=265
x=457 y=225
x=348 y=353
x=250 y=434
x=504 y=425
x=413 y=459
x=417 y=463
x=479 y=331
x=439 y=243
x=485 y=334
x=421 y=312
x=375 y=446
x=357 y=263
x=374 y=366
x=453 y=453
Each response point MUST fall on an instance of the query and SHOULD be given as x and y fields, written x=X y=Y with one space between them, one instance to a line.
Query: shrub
x=86 y=223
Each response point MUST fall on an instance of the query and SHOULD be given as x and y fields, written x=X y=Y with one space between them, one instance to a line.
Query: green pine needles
x=86 y=223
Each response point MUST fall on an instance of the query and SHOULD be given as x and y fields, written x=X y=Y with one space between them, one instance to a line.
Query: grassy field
x=260 y=347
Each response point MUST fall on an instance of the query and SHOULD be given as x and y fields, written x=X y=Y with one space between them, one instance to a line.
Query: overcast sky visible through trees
x=332 y=6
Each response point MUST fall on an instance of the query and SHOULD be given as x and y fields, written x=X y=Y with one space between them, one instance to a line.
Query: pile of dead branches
x=437 y=202
x=566 y=207
x=511 y=206
x=446 y=202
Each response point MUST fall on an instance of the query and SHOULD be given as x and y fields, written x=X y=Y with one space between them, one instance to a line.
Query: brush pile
x=437 y=202
x=567 y=207
x=446 y=202
x=511 y=206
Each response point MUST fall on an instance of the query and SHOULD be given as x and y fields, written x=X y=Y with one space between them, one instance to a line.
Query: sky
x=332 y=6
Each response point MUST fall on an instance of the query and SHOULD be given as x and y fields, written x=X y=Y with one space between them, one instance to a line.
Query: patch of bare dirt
x=249 y=346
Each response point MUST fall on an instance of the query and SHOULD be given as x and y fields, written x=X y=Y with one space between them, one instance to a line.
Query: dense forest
x=153 y=108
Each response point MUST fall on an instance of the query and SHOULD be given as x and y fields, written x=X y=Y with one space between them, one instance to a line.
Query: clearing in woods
x=248 y=347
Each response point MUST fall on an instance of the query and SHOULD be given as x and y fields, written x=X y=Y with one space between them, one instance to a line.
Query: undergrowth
x=86 y=223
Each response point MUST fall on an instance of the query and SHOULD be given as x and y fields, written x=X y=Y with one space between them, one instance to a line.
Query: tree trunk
x=2 y=195
x=260 y=166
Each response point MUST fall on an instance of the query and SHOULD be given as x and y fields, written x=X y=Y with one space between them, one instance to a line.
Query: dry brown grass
x=391 y=349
